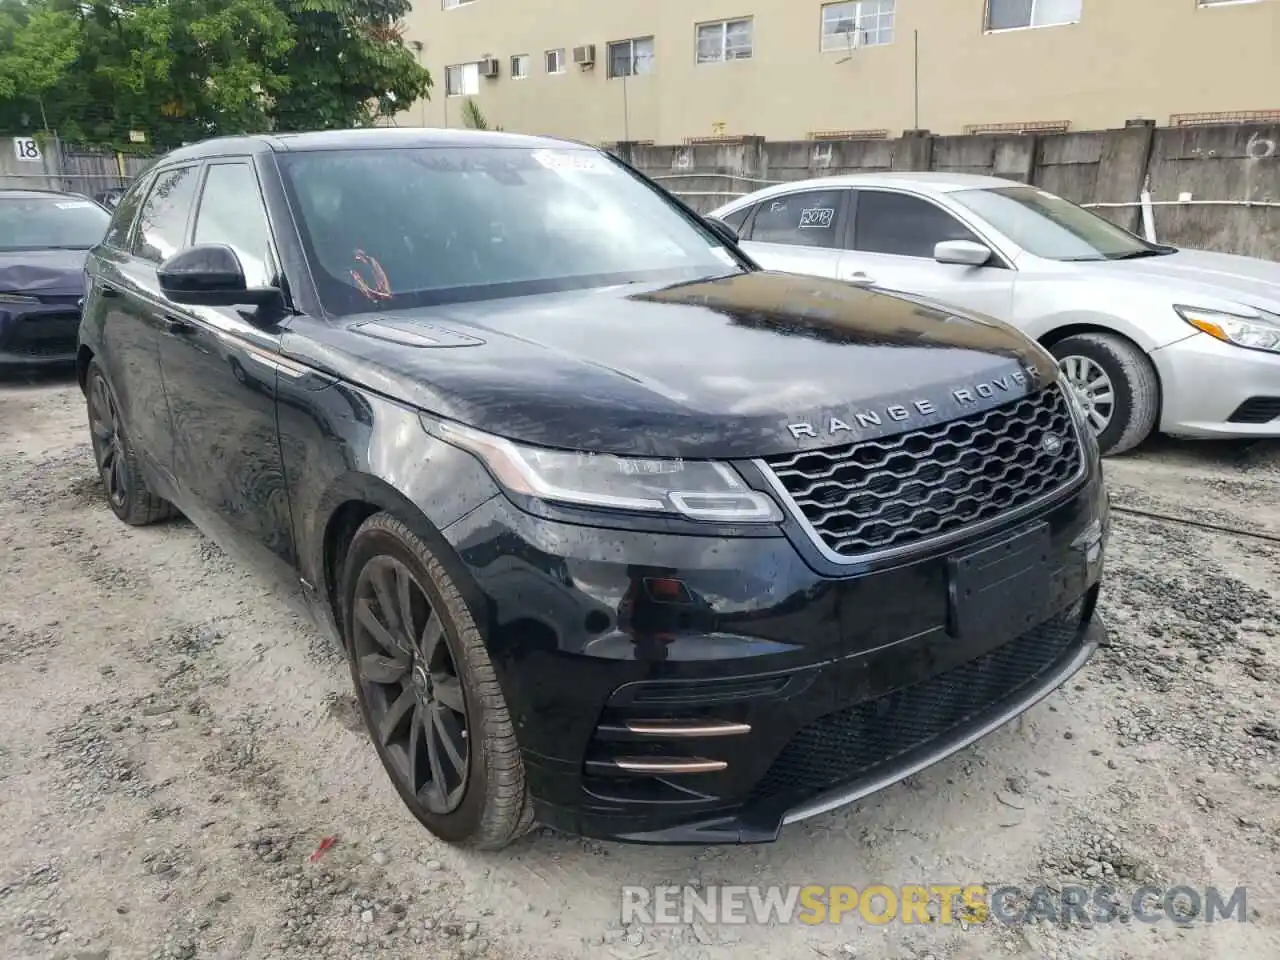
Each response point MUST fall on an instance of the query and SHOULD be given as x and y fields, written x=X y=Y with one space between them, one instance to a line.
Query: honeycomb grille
x=45 y=335
x=840 y=747
x=880 y=495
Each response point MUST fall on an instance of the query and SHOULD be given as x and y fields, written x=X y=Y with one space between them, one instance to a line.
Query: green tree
x=349 y=66
x=183 y=70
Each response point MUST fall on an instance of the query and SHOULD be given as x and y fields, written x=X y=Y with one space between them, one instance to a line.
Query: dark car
x=110 y=197
x=44 y=237
x=619 y=532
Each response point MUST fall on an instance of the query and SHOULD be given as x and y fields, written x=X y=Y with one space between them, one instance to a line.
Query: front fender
x=348 y=453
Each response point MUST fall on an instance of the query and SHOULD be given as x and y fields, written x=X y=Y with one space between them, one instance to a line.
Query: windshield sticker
x=380 y=289
x=576 y=161
x=819 y=217
x=74 y=205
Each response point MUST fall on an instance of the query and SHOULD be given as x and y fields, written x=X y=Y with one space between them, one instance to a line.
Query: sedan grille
x=44 y=335
x=877 y=496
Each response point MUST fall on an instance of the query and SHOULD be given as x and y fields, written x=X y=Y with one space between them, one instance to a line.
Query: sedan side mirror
x=966 y=253
x=722 y=230
x=210 y=275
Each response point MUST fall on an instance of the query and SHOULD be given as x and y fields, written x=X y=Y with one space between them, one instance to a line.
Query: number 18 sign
x=26 y=149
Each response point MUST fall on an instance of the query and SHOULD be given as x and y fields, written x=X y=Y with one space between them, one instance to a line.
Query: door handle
x=108 y=290
x=177 y=325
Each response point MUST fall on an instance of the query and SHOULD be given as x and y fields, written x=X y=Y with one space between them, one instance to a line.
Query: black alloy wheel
x=104 y=424
x=128 y=495
x=416 y=703
x=428 y=690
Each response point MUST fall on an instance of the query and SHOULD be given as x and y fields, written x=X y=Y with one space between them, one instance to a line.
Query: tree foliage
x=181 y=70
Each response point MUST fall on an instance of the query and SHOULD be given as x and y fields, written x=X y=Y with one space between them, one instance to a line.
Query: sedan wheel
x=1092 y=387
x=1116 y=385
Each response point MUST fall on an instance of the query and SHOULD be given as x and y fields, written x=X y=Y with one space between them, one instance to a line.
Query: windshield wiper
x=1157 y=251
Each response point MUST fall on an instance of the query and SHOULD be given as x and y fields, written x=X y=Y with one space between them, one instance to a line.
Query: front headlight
x=1258 y=332
x=695 y=489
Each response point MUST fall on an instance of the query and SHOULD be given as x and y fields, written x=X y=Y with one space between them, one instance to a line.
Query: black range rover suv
x=619 y=532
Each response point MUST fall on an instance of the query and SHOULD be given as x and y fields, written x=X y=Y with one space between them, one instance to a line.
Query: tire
x=1134 y=387
x=126 y=490
x=490 y=800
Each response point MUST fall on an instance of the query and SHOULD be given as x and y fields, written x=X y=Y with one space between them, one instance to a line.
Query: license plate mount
x=1001 y=590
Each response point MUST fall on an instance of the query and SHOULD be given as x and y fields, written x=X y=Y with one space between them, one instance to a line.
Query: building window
x=454 y=4
x=629 y=58
x=1019 y=14
x=462 y=80
x=857 y=23
x=724 y=40
x=519 y=66
x=555 y=61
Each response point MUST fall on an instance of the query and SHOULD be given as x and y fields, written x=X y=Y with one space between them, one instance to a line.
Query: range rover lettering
x=619 y=532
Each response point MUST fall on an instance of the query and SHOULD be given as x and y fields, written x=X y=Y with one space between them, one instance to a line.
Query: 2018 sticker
x=819 y=217
x=576 y=161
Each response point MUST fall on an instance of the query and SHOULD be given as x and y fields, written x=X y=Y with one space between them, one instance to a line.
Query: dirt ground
x=175 y=742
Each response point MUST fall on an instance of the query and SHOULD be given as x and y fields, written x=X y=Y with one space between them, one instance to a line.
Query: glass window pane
x=902 y=225
x=807 y=219
x=644 y=55
x=738 y=40
x=710 y=42
x=231 y=212
x=1004 y=14
x=1047 y=12
x=163 y=223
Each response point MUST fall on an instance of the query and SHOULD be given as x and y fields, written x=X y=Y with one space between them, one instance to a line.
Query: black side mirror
x=722 y=230
x=210 y=275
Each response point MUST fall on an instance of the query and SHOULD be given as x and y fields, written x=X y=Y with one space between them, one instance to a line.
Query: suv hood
x=741 y=366
x=42 y=272
x=1194 y=276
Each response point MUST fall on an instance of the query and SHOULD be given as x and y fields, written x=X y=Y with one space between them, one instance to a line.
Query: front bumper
x=777 y=692
x=39 y=335
x=1215 y=389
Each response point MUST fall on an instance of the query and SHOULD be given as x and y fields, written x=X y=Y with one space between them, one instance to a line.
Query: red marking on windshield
x=381 y=288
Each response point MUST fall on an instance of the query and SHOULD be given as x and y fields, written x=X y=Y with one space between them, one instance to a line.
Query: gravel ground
x=175 y=742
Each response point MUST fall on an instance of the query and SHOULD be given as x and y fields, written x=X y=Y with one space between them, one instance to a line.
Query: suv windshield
x=394 y=228
x=1053 y=228
x=53 y=222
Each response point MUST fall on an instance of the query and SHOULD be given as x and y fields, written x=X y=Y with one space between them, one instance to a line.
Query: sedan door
x=798 y=232
x=892 y=247
x=220 y=369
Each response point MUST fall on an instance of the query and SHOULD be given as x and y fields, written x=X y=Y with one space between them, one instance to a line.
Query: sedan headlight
x=1260 y=331
x=695 y=489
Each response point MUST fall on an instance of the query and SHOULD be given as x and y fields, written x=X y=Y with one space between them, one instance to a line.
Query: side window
x=902 y=225
x=126 y=210
x=810 y=219
x=231 y=212
x=163 y=224
x=738 y=218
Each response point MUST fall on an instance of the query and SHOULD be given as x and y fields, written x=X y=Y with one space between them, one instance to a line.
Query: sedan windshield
x=50 y=223
x=395 y=228
x=1053 y=228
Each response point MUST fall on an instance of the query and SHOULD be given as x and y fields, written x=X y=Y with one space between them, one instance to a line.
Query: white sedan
x=1152 y=337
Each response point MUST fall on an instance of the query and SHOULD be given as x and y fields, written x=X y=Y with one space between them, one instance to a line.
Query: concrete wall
x=1122 y=59
x=1222 y=163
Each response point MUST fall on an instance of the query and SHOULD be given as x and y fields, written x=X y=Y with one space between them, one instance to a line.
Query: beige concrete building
x=667 y=70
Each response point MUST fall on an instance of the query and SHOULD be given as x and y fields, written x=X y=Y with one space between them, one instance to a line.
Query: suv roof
x=365 y=138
